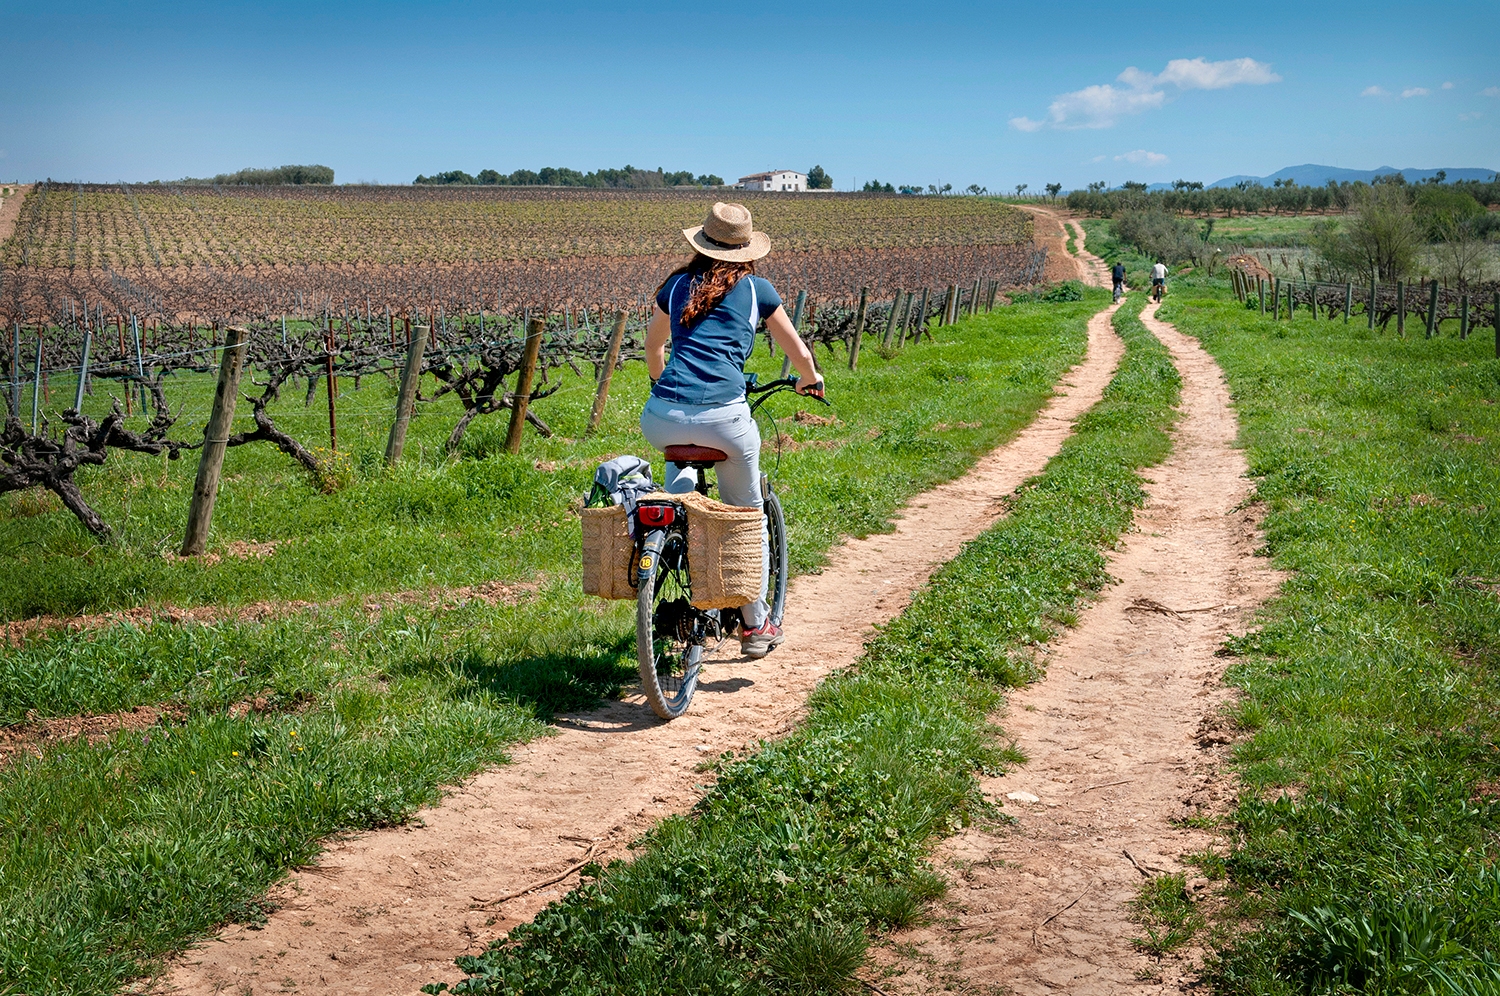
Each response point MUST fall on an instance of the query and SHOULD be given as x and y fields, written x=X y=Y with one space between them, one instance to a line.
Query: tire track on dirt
x=389 y=911
x=1116 y=737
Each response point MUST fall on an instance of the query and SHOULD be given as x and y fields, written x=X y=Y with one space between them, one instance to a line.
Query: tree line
x=254 y=177
x=1248 y=197
x=627 y=177
x=1389 y=230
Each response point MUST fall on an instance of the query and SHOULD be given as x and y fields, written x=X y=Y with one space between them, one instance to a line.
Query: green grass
x=1072 y=243
x=1165 y=914
x=771 y=882
x=1265 y=231
x=112 y=855
x=1365 y=842
x=435 y=521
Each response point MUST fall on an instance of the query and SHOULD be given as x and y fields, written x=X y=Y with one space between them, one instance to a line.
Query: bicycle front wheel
x=670 y=658
x=776 y=533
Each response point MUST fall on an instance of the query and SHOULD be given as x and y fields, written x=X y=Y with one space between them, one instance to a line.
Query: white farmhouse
x=782 y=179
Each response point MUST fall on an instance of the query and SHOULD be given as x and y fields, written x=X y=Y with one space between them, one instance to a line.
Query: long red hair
x=711 y=279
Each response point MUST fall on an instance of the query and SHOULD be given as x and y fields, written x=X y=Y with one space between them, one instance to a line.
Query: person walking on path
x=709 y=310
x=1117 y=274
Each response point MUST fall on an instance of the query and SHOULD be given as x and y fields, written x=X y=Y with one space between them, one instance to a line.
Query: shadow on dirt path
x=387 y=912
x=1121 y=739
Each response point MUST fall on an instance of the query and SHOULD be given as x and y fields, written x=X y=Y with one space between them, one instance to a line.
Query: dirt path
x=10 y=208
x=388 y=911
x=1119 y=736
x=1061 y=265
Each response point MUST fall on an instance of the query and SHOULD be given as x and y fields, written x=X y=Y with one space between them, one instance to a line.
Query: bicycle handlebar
x=780 y=384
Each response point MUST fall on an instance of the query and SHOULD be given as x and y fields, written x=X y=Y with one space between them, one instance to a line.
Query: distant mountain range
x=1312 y=175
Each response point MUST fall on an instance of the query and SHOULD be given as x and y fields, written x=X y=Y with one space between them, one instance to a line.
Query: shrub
x=1160 y=235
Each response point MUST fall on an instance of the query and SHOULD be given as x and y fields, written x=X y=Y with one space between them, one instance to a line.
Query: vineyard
x=232 y=254
x=486 y=363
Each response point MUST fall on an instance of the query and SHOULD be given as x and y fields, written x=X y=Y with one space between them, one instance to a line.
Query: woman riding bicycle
x=709 y=310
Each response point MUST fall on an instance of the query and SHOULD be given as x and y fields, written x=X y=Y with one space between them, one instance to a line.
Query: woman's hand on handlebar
x=813 y=389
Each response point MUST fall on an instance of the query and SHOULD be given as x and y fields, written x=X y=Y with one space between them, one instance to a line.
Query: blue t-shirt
x=707 y=365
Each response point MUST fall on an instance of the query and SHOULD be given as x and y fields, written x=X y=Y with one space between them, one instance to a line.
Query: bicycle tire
x=669 y=667
x=779 y=559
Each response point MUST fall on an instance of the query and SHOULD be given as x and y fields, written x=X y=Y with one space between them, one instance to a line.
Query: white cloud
x=1142 y=156
x=1101 y=105
x=1471 y=116
x=1374 y=91
x=1198 y=74
x=1447 y=86
x=1490 y=91
x=1415 y=91
x=1098 y=159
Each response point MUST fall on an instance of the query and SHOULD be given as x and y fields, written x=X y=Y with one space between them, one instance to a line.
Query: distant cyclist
x=1158 y=280
x=1117 y=274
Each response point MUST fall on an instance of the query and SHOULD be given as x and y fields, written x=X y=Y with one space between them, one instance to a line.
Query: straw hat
x=727 y=234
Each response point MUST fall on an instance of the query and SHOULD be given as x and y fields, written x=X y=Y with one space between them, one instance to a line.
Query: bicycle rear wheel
x=776 y=533
x=670 y=658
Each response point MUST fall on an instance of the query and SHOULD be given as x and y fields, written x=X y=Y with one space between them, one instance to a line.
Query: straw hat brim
x=760 y=244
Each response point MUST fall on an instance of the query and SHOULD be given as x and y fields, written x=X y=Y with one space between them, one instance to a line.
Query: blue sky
x=994 y=94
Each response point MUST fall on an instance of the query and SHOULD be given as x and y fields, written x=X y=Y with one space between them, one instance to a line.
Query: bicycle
x=671 y=635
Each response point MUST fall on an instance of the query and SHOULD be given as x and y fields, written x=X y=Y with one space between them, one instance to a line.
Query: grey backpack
x=621 y=481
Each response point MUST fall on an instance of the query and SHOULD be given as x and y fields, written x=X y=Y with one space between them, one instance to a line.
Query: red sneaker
x=761 y=640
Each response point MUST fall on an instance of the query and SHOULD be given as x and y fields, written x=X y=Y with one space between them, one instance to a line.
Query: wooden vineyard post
x=890 y=322
x=786 y=361
x=215 y=438
x=922 y=319
x=905 y=322
x=1401 y=308
x=1276 y=299
x=859 y=328
x=522 y=397
x=15 y=371
x=948 y=305
x=974 y=300
x=333 y=422
x=1348 y=300
x=1313 y=297
x=607 y=373
x=1432 y=303
x=1370 y=311
x=1260 y=286
x=406 y=397
x=1463 y=317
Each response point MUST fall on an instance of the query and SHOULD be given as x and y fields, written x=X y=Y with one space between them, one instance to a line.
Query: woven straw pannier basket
x=724 y=551
x=608 y=553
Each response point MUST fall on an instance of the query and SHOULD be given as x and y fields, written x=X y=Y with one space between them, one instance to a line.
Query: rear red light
x=656 y=516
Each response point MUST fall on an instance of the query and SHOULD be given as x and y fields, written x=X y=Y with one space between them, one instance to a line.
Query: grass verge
x=771 y=883
x=336 y=718
x=1366 y=838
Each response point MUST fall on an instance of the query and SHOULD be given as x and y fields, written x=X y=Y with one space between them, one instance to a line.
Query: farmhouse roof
x=766 y=175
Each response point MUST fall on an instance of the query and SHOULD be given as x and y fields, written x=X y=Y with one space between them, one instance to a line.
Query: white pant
x=730 y=428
